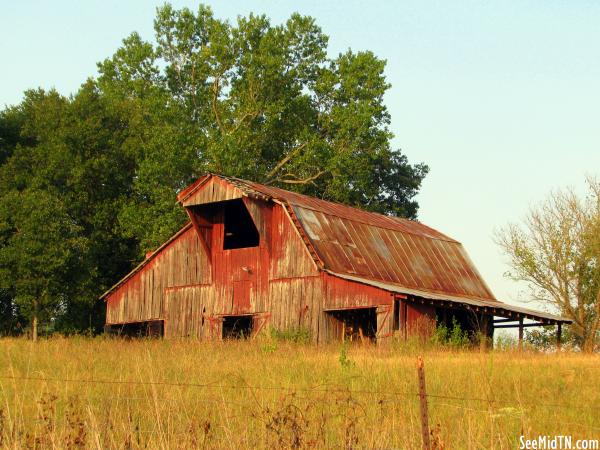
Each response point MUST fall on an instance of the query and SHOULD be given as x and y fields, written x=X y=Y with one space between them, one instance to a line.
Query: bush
x=299 y=335
x=453 y=337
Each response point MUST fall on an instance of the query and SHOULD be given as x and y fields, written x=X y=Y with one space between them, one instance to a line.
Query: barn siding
x=183 y=262
x=420 y=319
x=342 y=294
x=296 y=303
x=186 y=311
x=289 y=256
x=213 y=190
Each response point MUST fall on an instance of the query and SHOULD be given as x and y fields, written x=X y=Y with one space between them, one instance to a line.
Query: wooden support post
x=483 y=333
x=404 y=319
x=558 y=336
x=520 y=334
x=423 y=404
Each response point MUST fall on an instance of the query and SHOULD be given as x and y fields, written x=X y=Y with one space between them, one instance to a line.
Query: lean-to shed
x=254 y=257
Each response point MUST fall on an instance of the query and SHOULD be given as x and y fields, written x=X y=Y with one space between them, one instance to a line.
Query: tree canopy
x=90 y=180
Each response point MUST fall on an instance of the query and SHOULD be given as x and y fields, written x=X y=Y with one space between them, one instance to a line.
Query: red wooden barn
x=254 y=257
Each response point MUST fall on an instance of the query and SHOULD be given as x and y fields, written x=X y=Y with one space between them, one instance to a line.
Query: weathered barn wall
x=343 y=294
x=268 y=279
x=289 y=257
x=420 y=319
x=186 y=309
x=296 y=303
x=181 y=262
x=210 y=191
x=278 y=282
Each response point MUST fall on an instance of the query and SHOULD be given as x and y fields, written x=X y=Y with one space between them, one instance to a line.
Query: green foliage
x=344 y=360
x=63 y=181
x=544 y=338
x=298 y=335
x=454 y=337
x=40 y=251
x=12 y=321
x=256 y=101
x=505 y=341
x=268 y=347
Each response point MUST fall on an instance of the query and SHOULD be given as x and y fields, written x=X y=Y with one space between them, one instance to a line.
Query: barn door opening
x=151 y=328
x=356 y=324
x=237 y=327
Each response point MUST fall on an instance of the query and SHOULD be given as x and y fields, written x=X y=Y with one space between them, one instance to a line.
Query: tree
x=40 y=249
x=256 y=101
x=557 y=251
x=76 y=150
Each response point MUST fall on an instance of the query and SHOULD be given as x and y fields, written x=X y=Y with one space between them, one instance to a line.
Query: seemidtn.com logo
x=558 y=442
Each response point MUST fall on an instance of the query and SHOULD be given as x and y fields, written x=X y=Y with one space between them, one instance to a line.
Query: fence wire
x=391 y=395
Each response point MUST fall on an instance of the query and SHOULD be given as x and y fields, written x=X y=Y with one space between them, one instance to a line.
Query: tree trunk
x=589 y=342
x=34 y=327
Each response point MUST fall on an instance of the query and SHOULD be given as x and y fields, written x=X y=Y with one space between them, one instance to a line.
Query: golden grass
x=182 y=394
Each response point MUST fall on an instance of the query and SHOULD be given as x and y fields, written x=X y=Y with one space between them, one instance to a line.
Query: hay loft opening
x=240 y=230
x=357 y=324
x=237 y=327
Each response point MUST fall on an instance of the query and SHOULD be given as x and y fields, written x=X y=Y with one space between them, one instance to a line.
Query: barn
x=254 y=257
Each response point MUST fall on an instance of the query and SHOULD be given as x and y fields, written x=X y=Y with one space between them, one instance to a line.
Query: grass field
x=107 y=393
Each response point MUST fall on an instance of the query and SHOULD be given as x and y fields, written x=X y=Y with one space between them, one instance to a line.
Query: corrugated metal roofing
x=401 y=251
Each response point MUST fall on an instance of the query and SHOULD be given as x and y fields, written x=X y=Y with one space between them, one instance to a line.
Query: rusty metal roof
x=391 y=249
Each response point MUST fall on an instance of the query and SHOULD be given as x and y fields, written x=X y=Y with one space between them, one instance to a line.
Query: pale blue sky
x=500 y=98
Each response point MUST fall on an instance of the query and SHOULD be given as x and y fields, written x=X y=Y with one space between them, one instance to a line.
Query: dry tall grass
x=182 y=394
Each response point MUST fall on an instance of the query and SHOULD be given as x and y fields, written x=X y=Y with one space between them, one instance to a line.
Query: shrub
x=298 y=335
x=453 y=337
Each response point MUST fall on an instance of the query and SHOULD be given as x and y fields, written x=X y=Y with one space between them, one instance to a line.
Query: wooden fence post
x=423 y=402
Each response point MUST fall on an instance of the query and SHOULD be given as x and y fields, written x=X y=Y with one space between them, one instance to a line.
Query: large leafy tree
x=39 y=252
x=256 y=101
x=70 y=156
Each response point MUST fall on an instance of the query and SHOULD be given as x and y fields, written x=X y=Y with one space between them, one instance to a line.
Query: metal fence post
x=423 y=402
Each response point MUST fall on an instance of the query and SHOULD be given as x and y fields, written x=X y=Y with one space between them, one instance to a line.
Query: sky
x=500 y=98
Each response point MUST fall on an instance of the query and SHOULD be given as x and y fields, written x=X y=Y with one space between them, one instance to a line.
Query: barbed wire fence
x=325 y=389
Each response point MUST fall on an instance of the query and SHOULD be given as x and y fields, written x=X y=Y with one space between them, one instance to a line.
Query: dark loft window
x=240 y=231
